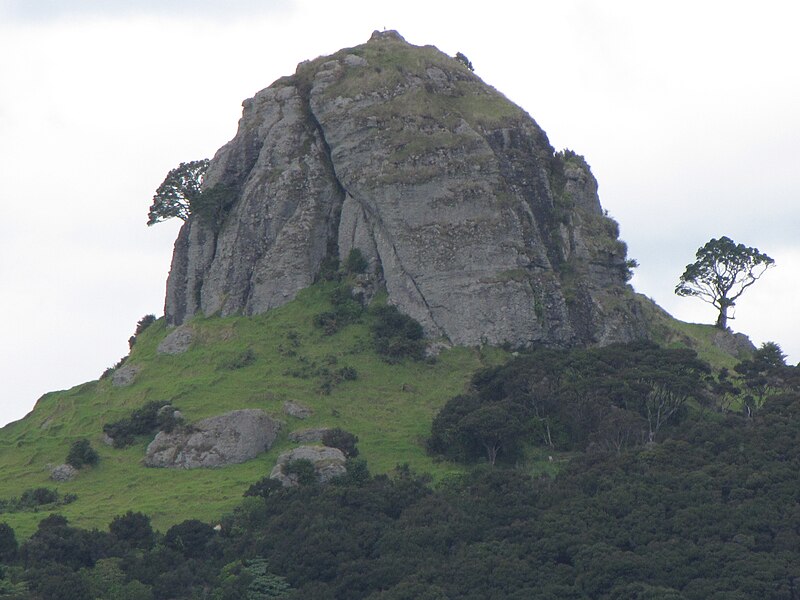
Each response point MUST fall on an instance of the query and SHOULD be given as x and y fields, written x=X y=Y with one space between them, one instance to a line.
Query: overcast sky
x=687 y=111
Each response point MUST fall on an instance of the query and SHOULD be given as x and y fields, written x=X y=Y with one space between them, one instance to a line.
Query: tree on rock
x=722 y=272
x=179 y=191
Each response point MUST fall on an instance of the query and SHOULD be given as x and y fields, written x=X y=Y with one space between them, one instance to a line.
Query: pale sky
x=687 y=111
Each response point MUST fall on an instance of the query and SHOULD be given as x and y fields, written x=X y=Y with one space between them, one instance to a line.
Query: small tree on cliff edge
x=722 y=272
x=179 y=191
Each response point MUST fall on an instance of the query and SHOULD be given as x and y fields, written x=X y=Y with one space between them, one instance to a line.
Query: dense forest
x=681 y=483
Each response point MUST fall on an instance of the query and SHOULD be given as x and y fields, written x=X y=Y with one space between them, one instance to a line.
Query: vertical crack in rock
x=335 y=211
x=453 y=194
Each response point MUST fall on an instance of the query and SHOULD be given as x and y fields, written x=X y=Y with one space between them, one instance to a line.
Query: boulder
x=125 y=375
x=297 y=410
x=328 y=463
x=233 y=437
x=176 y=342
x=63 y=473
x=735 y=344
x=306 y=436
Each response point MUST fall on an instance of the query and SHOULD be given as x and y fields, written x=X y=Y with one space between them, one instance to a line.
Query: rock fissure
x=335 y=212
x=442 y=183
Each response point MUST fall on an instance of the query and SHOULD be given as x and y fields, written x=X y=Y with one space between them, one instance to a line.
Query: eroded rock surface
x=297 y=410
x=226 y=439
x=177 y=342
x=63 y=473
x=306 y=436
x=472 y=222
x=125 y=375
x=328 y=463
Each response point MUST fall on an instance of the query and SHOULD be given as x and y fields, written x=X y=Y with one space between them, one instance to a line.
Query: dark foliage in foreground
x=608 y=398
x=710 y=512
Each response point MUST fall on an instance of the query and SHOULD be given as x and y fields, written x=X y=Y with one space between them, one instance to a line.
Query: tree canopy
x=722 y=272
x=179 y=191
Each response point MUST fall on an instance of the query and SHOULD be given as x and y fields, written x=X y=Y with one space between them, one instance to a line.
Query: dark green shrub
x=327 y=321
x=357 y=473
x=343 y=440
x=355 y=262
x=396 y=335
x=142 y=421
x=264 y=488
x=347 y=374
x=38 y=497
x=190 y=537
x=141 y=325
x=345 y=310
x=213 y=204
x=302 y=469
x=462 y=58
x=8 y=543
x=243 y=359
x=144 y=323
x=168 y=419
x=81 y=453
x=57 y=582
x=330 y=379
x=133 y=528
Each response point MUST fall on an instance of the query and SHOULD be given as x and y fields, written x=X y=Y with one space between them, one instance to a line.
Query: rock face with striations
x=234 y=437
x=476 y=227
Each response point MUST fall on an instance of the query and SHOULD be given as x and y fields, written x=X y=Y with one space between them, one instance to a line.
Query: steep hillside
x=233 y=363
x=252 y=362
x=466 y=219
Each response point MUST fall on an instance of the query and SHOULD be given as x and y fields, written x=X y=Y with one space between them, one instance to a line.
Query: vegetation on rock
x=181 y=188
x=142 y=421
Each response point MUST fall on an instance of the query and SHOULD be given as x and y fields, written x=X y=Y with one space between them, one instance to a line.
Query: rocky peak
x=391 y=34
x=472 y=222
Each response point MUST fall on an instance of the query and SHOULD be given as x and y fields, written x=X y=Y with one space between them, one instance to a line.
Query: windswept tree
x=178 y=193
x=722 y=272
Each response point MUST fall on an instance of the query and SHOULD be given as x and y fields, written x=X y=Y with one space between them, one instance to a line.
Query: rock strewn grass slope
x=389 y=407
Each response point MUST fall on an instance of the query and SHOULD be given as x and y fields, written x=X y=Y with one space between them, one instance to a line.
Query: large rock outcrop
x=328 y=463
x=472 y=222
x=226 y=439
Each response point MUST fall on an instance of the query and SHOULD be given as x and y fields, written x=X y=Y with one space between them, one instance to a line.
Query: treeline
x=709 y=512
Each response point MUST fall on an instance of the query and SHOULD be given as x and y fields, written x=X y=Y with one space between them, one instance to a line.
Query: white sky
x=687 y=111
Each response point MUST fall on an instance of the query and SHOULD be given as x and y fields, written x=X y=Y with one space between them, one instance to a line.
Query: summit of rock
x=468 y=217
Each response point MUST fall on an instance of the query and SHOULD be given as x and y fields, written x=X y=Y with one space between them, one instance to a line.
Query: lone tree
x=179 y=191
x=722 y=272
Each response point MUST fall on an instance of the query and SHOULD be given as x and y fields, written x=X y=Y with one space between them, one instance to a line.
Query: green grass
x=703 y=339
x=255 y=362
x=389 y=407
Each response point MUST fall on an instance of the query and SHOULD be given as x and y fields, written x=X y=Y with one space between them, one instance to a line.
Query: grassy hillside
x=253 y=362
x=720 y=349
x=233 y=363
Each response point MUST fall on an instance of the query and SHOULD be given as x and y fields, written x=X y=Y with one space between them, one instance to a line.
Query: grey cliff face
x=471 y=221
